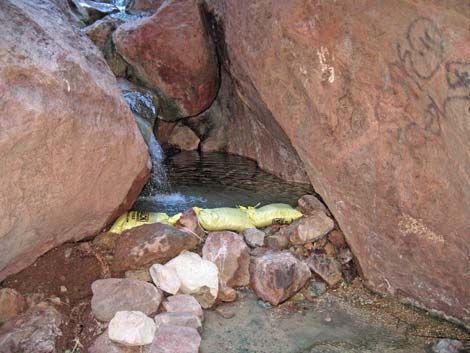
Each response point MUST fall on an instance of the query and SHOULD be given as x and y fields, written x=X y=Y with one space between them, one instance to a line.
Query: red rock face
x=71 y=156
x=375 y=98
x=171 y=53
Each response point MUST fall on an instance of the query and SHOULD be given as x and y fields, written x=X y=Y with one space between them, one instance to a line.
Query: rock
x=308 y=229
x=336 y=237
x=144 y=5
x=149 y=244
x=309 y=204
x=326 y=267
x=277 y=242
x=189 y=223
x=275 y=277
x=176 y=339
x=102 y=344
x=314 y=289
x=380 y=122
x=131 y=328
x=165 y=278
x=254 y=237
x=115 y=294
x=183 y=138
x=183 y=303
x=105 y=241
x=184 y=319
x=100 y=31
x=36 y=331
x=199 y=278
x=232 y=257
x=12 y=303
x=447 y=346
x=163 y=130
x=344 y=256
x=90 y=11
x=140 y=275
x=94 y=164
x=227 y=294
x=157 y=47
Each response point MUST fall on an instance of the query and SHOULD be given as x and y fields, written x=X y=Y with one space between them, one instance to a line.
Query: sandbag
x=137 y=218
x=276 y=213
x=223 y=218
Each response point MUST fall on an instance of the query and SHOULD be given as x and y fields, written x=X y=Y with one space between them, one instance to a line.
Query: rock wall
x=375 y=98
x=71 y=157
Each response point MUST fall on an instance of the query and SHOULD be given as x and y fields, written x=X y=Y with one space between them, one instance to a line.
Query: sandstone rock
x=101 y=30
x=12 y=303
x=163 y=130
x=184 y=138
x=326 y=267
x=157 y=47
x=102 y=344
x=36 y=331
x=232 y=257
x=144 y=5
x=176 y=339
x=336 y=237
x=254 y=237
x=448 y=346
x=165 y=278
x=227 y=294
x=308 y=229
x=90 y=10
x=182 y=303
x=309 y=204
x=381 y=96
x=184 y=319
x=131 y=328
x=275 y=277
x=140 y=275
x=72 y=158
x=277 y=242
x=105 y=241
x=189 y=223
x=199 y=278
x=150 y=243
x=115 y=294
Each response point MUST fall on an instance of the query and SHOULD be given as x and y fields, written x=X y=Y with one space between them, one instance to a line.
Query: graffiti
x=458 y=74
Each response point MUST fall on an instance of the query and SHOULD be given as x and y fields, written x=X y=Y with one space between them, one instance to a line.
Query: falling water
x=159 y=178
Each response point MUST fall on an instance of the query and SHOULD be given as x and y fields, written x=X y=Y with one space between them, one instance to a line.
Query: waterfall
x=158 y=178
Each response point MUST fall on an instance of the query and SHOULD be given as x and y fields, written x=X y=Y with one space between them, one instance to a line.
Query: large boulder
x=71 y=156
x=171 y=53
x=374 y=96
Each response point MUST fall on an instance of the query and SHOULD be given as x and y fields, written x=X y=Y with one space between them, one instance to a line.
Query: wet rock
x=142 y=102
x=326 y=267
x=309 y=204
x=336 y=237
x=144 y=5
x=308 y=229
x=165 y=278
x=227 y=294
x=182 y=303
x=101 y=30
x=185 y=319
x=275 y=277
x=140 y=275
x=176 y=339
x=157 y=48
x=183 y=138
x=90 y=11
x=131 y=328
x=232 y=257
x=254 y=237
x=189 y=223
x=115 y=294
x=12 y=303
x=199 y=278
x=149 y=244
x=277 y=242
x=73 y=93
x=36 y=331
x=103 y=344
x=447 y=346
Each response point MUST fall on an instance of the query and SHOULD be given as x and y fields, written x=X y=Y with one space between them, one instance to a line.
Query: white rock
x=131 y=328
x=165 y=278
x=199 y=278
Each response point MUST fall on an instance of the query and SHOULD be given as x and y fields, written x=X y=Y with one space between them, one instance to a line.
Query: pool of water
x=218 y=180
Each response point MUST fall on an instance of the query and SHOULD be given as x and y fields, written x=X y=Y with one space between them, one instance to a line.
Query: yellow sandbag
x=173 y=219
x=276 y=213
x=137 y=218
x=223 y=218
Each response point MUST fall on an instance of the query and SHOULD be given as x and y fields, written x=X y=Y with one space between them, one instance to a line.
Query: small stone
x=310 y=204
x=184 y=138
x=330 y=249
x=336 y=237
x=263 y=304
x=344 y=256
x=326 y=267
x=227 y=294
x=176 y=339
x=228 y=251
x=132 y=328
x=308 y=229
x=314 y=289
x=101 y=30
x=165 y=278
x=277 y=242
x=183 y=303
x=68 y=252
x=254 y=237
x=225 y=312
x=140 y=275
x=102 y=344
x=105 y=241
x=185 y=319
x=63 y=289
x=12 y=304
x=199 y=278
x=447 y=346
x=115 y=294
